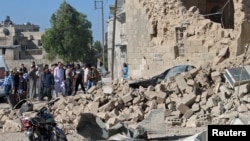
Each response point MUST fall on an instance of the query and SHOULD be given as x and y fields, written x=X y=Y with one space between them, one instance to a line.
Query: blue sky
x=39 y=12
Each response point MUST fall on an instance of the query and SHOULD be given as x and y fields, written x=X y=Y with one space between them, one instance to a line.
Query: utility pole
x=113 y=41
x=101 y=7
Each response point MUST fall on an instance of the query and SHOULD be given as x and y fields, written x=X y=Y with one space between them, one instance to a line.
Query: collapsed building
x=164 y=33
x=157 y=34
x=182 y=105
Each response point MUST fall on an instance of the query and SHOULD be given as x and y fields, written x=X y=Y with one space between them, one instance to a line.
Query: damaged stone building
x=153 y=35
x=20 y=42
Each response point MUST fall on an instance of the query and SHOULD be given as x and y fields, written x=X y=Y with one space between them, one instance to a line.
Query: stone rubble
x=193 y=99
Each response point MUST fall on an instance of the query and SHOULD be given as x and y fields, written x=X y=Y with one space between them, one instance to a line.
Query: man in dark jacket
x=15 y=79
x=22 y=85
x=48 y=84
x=41 y=82
x=79 y=75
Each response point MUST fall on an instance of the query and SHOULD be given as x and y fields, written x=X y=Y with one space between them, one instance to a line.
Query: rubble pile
x=192 y=99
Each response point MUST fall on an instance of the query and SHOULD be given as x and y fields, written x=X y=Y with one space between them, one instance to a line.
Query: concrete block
x=126 y=98
x=242 y=89
x=228 y=105
x=246 y=98
x=181 y=82
x=188 y=114
x=176 y=113
x=189 y=99
x=103 y=115
x=213 y=101
x=218 y=60
x=125 y=89
x=196 y=107
x=138 y=114
x=60 y=118
x=210 y=92
x=112 y=121
x=183 y=108
x=92 y=89
x=106 y=107
x=217 y=87
x=242 y=108
x=93 y=106
x=216 y=111
x=216 y=76
x=161 y=96
x=11 y=126
x=190 y=82
x=161 y=106
x=152 y=104
x=222 y=96
x=192 y=123
x=194 y=72
x=189 y=89
x=107 y=89
x=150 y=95
x=198 y=99
x=187 y=75
x=136 y=100
x=228 y=92
x=173 y=121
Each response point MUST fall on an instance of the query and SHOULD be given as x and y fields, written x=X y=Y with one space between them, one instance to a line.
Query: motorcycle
x=42 y=127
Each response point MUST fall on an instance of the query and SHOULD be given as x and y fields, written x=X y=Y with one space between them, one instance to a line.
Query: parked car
x=3 y=68
x=174 y=71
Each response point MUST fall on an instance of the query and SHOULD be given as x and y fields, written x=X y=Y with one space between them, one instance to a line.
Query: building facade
x=164 y=33
x=20 y=41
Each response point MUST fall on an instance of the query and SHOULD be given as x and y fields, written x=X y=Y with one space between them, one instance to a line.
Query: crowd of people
x=50 y=81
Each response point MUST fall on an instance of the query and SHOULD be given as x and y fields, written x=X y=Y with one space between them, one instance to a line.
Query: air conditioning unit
x=237 y=76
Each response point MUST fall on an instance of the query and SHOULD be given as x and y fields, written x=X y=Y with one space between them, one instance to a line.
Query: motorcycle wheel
x=35 y=137
x=58 y=135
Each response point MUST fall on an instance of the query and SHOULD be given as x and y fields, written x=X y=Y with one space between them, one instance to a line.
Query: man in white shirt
x=59 y=76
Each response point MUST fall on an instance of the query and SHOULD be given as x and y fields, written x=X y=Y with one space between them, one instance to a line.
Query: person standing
x=15 y=79
x=93 y=77
x=48 y=84
x=125 y=70
x=22 y=86
x=59 y=76
x=79 y=78
x=32 y=82
x=69 y=79
x=41 y=83
x=8 y=85
x=86 y=71
x=23 y=69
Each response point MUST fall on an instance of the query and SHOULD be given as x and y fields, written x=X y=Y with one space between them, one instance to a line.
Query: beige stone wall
x=12 y=54
x=138 y=35
x=151 y=32
x=34 y=35
x=27 y=62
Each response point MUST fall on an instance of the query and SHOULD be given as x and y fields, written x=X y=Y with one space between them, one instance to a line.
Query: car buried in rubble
x=171 y=72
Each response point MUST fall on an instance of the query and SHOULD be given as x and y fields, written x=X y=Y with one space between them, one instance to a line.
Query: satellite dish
x=6 y=31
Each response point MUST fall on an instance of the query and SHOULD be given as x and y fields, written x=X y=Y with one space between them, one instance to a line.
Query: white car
x=3 y=68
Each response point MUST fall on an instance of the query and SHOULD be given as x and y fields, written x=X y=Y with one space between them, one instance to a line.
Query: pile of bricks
x=192 y=99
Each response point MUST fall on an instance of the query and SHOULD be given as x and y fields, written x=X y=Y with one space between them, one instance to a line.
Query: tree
x=97 y=47
x=70 y=35
x=94 y=53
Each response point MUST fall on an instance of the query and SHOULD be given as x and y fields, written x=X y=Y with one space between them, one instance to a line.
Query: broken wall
x=153 y=41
